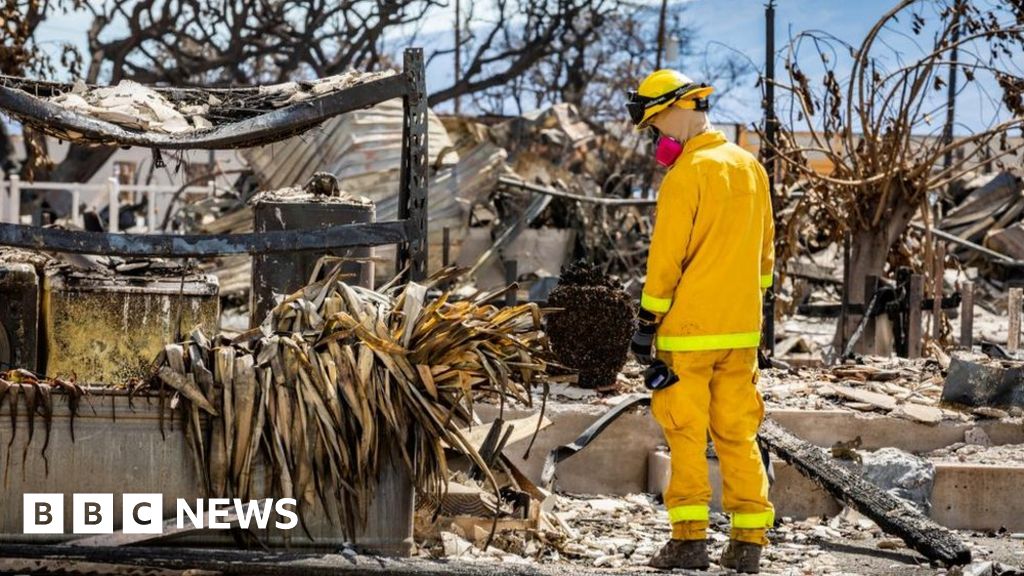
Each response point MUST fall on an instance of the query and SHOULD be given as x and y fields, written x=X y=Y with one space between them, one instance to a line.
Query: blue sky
x=721 y=25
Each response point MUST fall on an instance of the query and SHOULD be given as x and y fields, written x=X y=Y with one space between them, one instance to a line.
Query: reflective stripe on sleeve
x=766 y=280
x=656 y=305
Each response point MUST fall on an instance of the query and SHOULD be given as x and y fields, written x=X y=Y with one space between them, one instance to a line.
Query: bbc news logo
x=143 y=513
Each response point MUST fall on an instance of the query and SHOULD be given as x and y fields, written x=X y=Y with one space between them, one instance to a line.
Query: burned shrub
x=591 y=332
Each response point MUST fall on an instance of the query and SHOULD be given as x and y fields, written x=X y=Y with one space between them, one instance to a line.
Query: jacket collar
x=709 y=138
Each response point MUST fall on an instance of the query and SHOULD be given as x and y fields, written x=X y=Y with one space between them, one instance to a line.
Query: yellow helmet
x=661 y=89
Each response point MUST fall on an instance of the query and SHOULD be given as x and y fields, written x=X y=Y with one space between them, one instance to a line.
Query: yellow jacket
x=712 y=252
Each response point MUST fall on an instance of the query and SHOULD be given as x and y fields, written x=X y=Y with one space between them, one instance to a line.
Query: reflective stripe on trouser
x=716 y=393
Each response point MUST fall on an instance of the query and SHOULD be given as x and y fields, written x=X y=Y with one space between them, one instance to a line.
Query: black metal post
x=511 y=278
x=845 y=306
x=446 y=246
x=768 y=157
x=412 y=195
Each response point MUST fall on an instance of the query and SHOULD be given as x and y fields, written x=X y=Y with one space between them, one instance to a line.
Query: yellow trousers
x=716 y=393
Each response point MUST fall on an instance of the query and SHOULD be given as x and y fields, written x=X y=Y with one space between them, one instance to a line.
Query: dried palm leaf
x=340 y=379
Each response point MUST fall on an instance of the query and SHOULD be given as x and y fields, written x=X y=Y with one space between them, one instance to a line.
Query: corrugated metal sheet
x=363 y=149
x=349 y=146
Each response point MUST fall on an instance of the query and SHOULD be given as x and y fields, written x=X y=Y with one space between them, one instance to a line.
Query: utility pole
x=661 y=34
x=768 y=157
x=458 y=50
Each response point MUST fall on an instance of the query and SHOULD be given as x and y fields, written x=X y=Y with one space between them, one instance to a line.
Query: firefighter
x=710 y=261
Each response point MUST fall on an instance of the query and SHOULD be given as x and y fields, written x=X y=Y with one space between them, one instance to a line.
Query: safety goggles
x=637 y=105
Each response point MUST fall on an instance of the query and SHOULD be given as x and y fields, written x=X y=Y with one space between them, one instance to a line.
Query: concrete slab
x=978 y=497
x=826 y=427
x=964 y=496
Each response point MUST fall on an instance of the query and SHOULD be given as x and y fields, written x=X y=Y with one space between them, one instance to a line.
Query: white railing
x=10 y=198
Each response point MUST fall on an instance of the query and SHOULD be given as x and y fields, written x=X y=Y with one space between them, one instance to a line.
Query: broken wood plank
x=892 y=515
x=478 y=528
x=920 y=413
x=937 y=277
x=463 y=500
x=967 y=314
x=522 y=429
x=1009 y=240
x=1013 y=308
x=914 y=333
x=812 y=271
x=875 y=399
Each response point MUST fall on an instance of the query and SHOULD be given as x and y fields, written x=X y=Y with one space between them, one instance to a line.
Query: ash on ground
x=621 y=534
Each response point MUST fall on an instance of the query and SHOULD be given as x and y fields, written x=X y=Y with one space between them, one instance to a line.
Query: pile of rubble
x=897 y=387
x=625 y=532
x=988 y=209
x=133 y=105
x=910 y=389
x=978 y=449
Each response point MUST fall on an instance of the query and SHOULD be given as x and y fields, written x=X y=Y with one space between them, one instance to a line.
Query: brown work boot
x=742 y=557
x=688 y=554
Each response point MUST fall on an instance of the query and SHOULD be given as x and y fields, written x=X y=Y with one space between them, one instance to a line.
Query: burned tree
x=21 y=54
x=220 y=43
x=872 y=154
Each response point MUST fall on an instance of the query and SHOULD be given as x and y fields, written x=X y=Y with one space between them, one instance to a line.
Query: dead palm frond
x=339 y=378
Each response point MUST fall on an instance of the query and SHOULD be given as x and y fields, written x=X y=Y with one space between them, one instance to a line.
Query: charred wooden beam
x=412 y=191
x=202 y=245
x=892 y=515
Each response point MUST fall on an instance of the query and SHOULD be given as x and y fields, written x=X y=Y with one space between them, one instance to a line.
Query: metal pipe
x=577 y=197
x=76 y=201
x=151 y=210
x=966 y=243
x=14 y=200
x=768 y=154
x=202 y=245
x=113 y=204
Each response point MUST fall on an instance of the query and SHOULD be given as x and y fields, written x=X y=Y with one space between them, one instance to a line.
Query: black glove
x=658 y=375
x=642 y=344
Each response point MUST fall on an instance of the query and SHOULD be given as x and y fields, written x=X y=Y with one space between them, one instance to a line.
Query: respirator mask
x=666 y=148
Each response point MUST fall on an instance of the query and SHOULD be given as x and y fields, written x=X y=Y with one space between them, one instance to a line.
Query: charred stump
x=592 y=330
